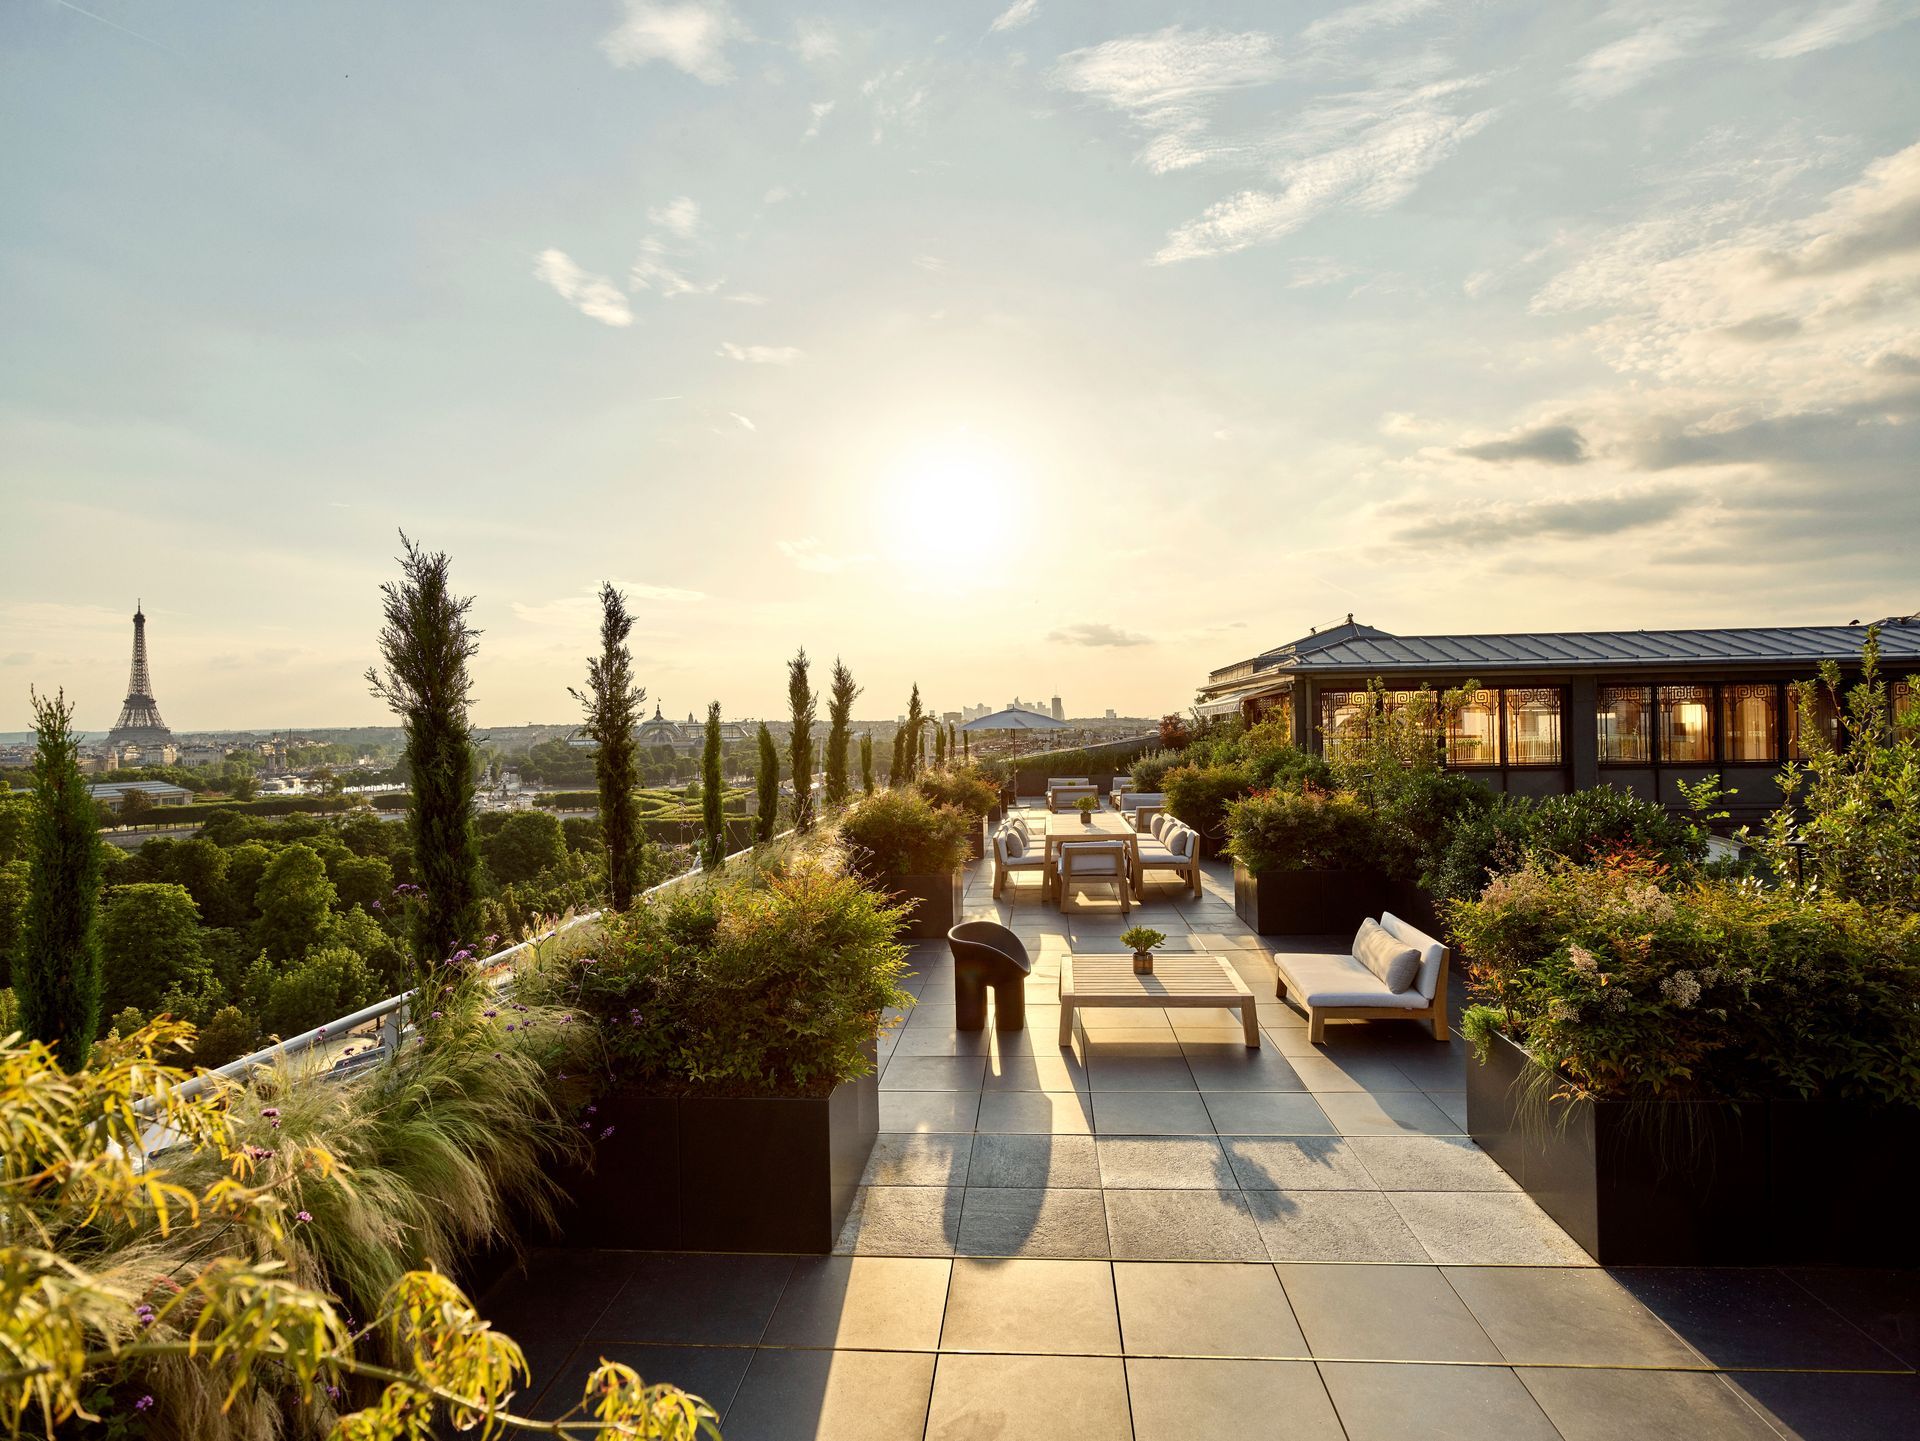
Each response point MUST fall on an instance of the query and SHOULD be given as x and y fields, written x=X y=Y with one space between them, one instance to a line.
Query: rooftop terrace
x=1158 y=1233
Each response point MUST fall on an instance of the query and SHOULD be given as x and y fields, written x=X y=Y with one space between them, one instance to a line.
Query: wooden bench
x=1197 y=982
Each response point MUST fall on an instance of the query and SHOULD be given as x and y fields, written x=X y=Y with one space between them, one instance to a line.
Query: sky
x=1051 y=347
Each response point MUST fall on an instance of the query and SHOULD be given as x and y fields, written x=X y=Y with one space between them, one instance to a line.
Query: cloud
x=1357 y=20
x=1825 y=26
x=652 y=271
x=761 y=354
x=583 y=611
x=1373 y=171
x=818 y=111
x=930 y=262
x=1582 y=518
x=1895 y=362
x=680 y=215
x=1761 y=328
x=745 y=424
x=18 y=657
x=806 y=554
x=815 y=41
x=1312 y=272
x=593 y=296
x=1097 y=633
x=1548 y=444
x=1167 y=83
x=1015 y=15
x=692 y=37
x=895 y=97
x=1618 y=67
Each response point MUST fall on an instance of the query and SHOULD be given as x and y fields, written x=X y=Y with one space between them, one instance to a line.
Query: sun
x=951 y=501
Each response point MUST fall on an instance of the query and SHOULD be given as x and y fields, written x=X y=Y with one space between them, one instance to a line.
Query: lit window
x=1471 y=737
x=1749 y=721
x=1533 y=727
x=1686 y=724
x=1826 y=718
x=1343 y=718
x=1906 y=708
x=1625 y=715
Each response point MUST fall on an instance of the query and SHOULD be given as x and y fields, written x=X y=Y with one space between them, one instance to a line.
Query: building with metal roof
x=1545 y=712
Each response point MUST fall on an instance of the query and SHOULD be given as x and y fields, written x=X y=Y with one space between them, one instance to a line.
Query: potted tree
x=912 y=851
x=1086 y=805
x=1142 y=941
x=736 y=1100
x=1303 y=862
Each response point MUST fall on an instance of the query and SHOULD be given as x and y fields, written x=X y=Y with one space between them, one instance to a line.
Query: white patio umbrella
x=1015 y=720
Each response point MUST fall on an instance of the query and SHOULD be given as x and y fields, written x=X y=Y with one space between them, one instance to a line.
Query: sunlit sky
x=1061 y=347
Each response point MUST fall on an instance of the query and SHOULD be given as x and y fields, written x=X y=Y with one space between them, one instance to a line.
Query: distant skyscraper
x=1059 y=711
x=140 y=724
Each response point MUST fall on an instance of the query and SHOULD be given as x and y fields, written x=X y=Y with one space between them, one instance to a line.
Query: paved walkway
x=1158 y=1233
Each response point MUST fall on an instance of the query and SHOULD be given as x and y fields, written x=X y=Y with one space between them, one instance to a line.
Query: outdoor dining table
x=1065 y=830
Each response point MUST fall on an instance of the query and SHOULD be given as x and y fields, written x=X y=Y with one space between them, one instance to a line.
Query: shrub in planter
x=1719 y=1074
x=1303 y=830
x=967 y=790
x=1581 y=827
x=913 y=850
x=1199 y=795
x=1151 y=769
x=739 y=1016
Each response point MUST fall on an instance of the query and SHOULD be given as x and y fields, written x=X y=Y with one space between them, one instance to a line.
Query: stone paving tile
x=1182 y=1226
x=1189 y=1163
x=737 y=1295
x=1597 y=1405
x=1205 y=1309
x=865 y=1303
x=1111 y=1072
x=1567 y=1316
x=1833 y=1407
x=1062 y=1113
x=934 y=1073
x=1033 y=1398
x=1058 y=1307
x=1744 y=1319
x=1182 y=1400
x=1430 y=1163
x=1267 y=1113
x=1884 y=1303
x=1486 y=1228
x=713 y=1373
x=1036 y=1071
x=1393 y=1403
x=832 y=1396
x=1454 y=1103
x=941 y=1041
x=1332 y=1226
x=902 y=1221
x=918 y=1159
x=1297 y=1163
x=1228 y=1065
x=1017 y=1221
x=1386 y=1113
x=1151 y=1113
x=944 y=1112
x=1036 y=1162
x=1322 y=1072
x=1384 y=1313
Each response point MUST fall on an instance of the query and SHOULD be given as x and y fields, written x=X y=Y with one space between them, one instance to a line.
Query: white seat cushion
x=1152 y=853
x=1093 y=865
x=1341 y=981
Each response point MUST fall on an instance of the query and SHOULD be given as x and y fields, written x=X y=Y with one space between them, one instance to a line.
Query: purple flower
x=434 y=1017
x=567 y=1020
x=509 y=1026
x=145 y=1403
x=606 y=1133
x=143 y=1313
x=333 y=1393
x=376 y=905
x=593 y=1110
x=322 y=1033
x=303 y=1216
x=489 y=1014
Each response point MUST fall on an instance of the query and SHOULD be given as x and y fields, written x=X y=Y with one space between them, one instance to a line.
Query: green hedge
x=193 y=815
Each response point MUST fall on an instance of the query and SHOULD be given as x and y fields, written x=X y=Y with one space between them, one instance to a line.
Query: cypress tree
x=767 y=787
x=839 y=732
x=713 y=792
x=966 y=748
x=426 y=644
x=800 y=704
x=612 y=705
x=56 y=969
x=897 y=772
x=866 y=761
x=915 y=730
x=940 y=745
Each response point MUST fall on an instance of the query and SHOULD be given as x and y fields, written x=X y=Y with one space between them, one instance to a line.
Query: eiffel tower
x=140 y=724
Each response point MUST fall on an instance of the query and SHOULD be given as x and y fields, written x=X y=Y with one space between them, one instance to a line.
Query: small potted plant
x=1086 y=805
x=1142 y=940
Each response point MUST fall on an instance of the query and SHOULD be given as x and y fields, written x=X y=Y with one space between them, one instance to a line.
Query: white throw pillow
x=1016 y=845
x=1180 y=842
x=1394 y=962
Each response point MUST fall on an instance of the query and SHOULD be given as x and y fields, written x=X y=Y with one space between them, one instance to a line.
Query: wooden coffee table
x=1193 y=981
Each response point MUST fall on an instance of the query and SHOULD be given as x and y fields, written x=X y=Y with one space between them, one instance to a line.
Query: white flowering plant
x=1628 y=987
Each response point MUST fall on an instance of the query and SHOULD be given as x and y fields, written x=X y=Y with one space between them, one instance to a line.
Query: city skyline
x=848 y=329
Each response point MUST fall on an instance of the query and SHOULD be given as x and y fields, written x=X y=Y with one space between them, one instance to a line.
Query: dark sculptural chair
x=986 y=953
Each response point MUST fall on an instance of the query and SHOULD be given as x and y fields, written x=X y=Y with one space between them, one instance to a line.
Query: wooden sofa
x=1337 y=987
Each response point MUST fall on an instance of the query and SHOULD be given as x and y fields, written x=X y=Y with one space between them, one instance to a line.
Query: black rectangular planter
x=938 y=908
x=1704 y=1182
x=746 y=1173
x=1306 y=903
